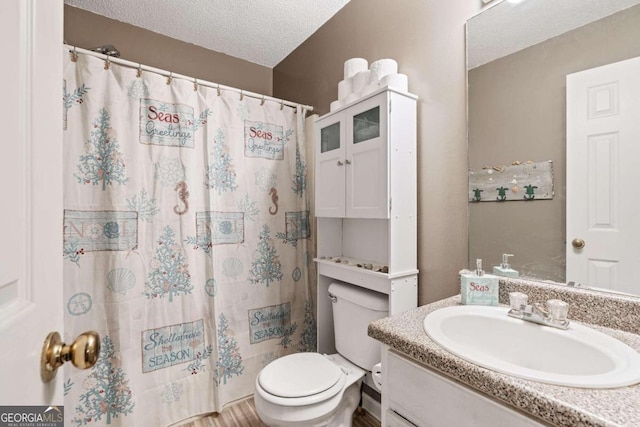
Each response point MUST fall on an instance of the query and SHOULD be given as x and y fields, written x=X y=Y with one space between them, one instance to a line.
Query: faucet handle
x=518 y=300
x=558 y=310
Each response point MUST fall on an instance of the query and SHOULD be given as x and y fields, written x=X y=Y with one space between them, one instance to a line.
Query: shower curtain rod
x=173 y=75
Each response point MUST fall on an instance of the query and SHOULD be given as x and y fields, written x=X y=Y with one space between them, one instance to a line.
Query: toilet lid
x=299 y=375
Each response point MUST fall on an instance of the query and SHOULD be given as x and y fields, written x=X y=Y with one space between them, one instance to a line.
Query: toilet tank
x=353 y=309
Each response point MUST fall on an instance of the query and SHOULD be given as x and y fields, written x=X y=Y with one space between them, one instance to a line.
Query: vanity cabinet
x=366 y=202
x=413 y=395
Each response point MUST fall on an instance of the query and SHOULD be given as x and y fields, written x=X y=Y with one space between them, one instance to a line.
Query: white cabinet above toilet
x=366 y=202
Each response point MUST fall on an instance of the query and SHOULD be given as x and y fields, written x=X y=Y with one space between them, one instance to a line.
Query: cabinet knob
x=340 y=163
x=348 y=161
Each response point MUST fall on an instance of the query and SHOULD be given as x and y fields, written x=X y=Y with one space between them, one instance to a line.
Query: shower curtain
x=185 y=230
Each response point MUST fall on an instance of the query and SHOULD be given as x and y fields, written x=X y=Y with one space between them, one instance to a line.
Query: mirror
x=518 y=57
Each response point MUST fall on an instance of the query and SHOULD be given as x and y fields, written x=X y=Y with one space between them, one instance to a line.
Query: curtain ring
x=262 y=102
x=241 y=94
x=170 y=78
x=107 y=63
x=281 y=104
x=218 y=88
x=74 y=55
x=195 y=84
x=139 y=72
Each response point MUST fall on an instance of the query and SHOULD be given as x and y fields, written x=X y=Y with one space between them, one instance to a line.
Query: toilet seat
x=300 y=379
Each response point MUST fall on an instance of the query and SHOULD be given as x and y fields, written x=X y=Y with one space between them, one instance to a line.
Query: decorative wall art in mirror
x=518 y=58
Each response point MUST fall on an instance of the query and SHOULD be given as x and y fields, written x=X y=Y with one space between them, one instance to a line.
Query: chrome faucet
x=554 y=315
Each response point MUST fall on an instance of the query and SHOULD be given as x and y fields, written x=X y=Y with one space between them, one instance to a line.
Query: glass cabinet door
x=366 y=125
x=330 y=137
x=367 y=185
x=330 y=166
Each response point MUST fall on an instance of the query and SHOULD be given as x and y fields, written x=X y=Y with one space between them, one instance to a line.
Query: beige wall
x=88 y=30
x=427 y=40
x=517 y=112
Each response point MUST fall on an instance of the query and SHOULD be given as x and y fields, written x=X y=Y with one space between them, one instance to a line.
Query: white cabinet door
x=367 y=180
x=352 y=161
x=330 y=167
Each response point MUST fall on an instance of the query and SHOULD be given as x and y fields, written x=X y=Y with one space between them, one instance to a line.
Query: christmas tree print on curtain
x=169 y=273
x=220 y=174
x=197 y=366
x=103 y=164
x=300 y=176
x=229 y=361
x=68 y=98
x=265 y=267
x=138 y=89
x=145 y=206
x=248 y=207
x=108 y=393
x=286 y=335
x=308 y=338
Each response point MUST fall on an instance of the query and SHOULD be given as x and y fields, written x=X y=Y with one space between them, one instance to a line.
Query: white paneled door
x=603 y=155
x=31 y=208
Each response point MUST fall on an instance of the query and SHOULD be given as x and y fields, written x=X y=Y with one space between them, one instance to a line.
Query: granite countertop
x=561 y=406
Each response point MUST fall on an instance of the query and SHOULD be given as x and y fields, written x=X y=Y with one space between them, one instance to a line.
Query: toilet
x=311 y=389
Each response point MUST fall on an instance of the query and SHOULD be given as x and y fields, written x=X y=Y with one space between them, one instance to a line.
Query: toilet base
x=344 y=413
x=341 y=416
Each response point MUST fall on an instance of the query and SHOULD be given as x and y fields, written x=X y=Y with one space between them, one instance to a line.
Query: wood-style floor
x=243 y=414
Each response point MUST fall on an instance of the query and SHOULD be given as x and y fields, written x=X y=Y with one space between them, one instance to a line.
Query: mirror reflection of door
x=517 y=111
x=603 y=174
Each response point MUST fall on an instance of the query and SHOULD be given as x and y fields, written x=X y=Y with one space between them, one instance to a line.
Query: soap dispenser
x=477 y=288
x=505 y=268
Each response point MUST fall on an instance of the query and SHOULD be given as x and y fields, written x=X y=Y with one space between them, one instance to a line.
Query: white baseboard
x=372 y=406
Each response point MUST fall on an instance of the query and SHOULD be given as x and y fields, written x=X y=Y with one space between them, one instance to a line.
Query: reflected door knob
x=83 y=353
x=578 y=243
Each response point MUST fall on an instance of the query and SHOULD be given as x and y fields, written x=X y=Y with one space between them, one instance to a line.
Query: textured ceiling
x=507 y=28
x=259 y=31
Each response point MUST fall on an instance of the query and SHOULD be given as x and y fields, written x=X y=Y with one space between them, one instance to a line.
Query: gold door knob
x=83 y=353
x=578 y=243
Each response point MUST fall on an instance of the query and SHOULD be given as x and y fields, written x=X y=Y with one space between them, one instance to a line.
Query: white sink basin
x=577 y=357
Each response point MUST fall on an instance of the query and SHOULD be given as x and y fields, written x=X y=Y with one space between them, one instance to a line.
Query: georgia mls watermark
x=31 y=416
